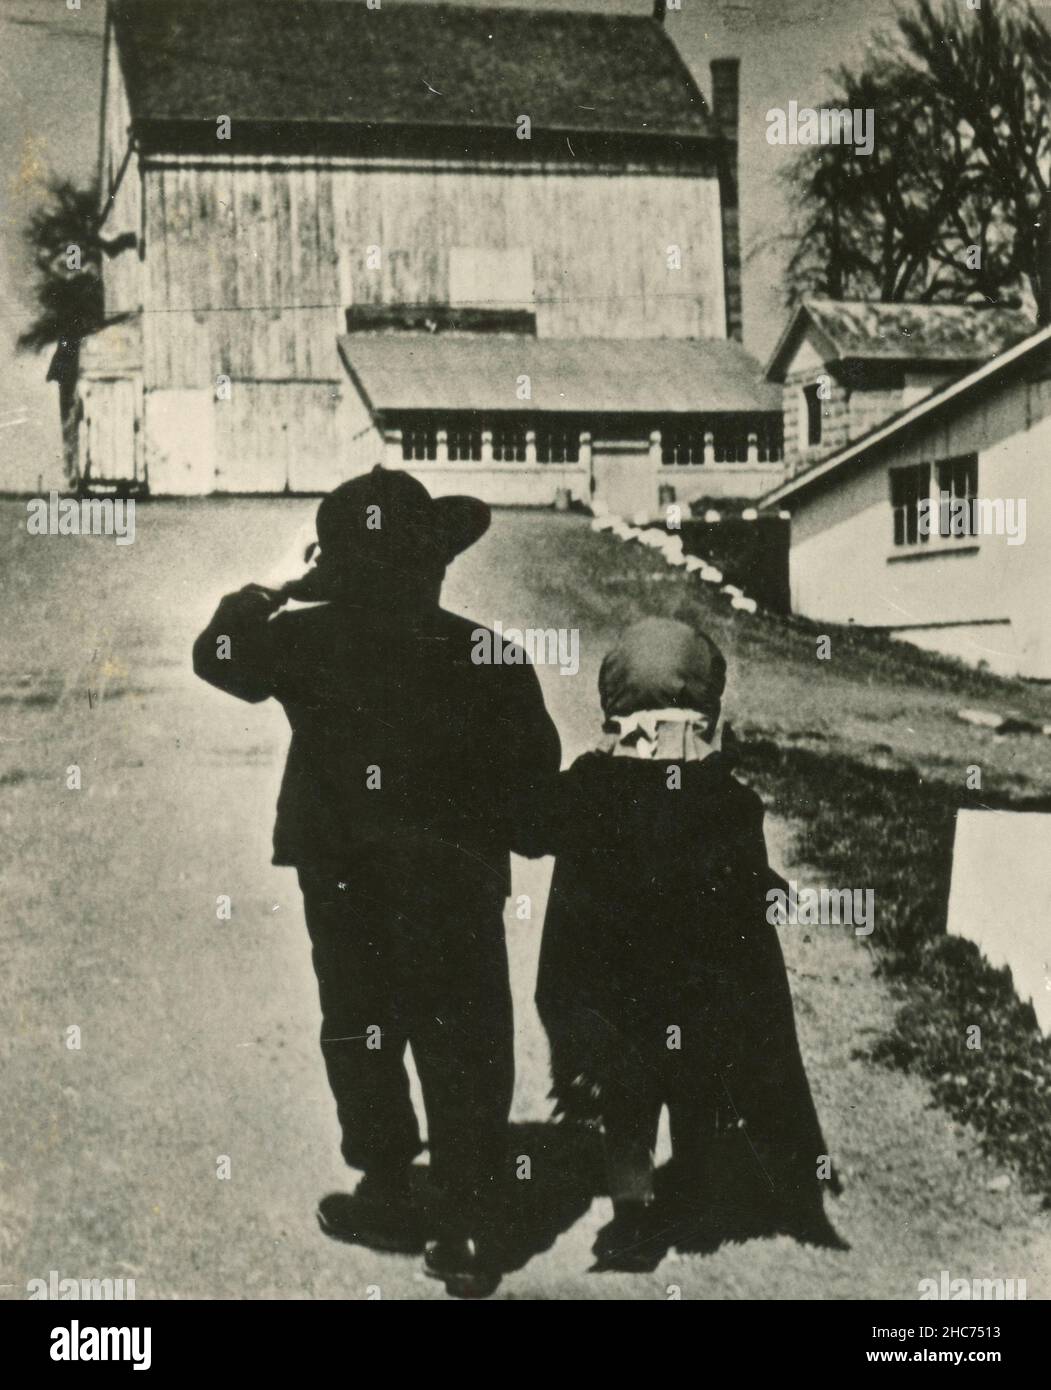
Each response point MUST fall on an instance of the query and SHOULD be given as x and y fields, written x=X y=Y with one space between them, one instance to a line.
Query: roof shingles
x=872 y=331
x=951 y=332
x=422 y=371
x=337 y=62
x=886 y=436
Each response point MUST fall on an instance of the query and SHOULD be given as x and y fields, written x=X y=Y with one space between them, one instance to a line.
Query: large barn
x=444 y=236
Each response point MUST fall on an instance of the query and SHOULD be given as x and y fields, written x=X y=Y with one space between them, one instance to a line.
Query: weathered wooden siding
x=268 y=436
x=734 y=480
x=501 y=484
x=122 y=274
x=251 y=265
x=273 y=435
x=110 y=434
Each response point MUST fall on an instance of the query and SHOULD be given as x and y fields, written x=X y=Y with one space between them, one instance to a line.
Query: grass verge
x=893 y=831
x=866 y=759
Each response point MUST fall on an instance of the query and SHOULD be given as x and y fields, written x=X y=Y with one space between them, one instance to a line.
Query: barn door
x=112 y=427
x=277 y=436
x=251 y=439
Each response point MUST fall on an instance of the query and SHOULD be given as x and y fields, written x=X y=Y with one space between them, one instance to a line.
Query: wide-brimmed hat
x=389 y=516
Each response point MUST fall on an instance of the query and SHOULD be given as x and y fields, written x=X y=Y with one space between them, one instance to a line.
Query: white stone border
x=654 y=538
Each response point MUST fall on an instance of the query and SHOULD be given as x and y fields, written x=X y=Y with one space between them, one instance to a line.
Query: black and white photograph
x=525 y=672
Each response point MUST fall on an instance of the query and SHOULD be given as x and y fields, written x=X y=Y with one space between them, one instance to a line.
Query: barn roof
x=410 y=371
x=1021 y=357
x=340 y=63
x=871 y=331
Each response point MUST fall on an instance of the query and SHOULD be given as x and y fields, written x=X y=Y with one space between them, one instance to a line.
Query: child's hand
x=308 y=588
x=253 y=598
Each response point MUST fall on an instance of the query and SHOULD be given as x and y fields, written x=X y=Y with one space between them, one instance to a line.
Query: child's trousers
x=402 y=962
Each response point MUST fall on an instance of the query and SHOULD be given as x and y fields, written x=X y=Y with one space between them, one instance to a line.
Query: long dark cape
x=656 y=923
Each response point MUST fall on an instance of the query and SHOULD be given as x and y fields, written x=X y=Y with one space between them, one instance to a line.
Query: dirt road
x=198 y=1036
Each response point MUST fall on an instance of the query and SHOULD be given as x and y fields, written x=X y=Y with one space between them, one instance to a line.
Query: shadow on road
x=565 y=1173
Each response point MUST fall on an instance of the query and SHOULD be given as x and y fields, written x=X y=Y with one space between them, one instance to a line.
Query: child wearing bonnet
x=661 y=982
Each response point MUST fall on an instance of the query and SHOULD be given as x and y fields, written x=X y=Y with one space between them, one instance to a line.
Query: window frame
x=557 y=446
x=909 y=507
x=425 y=430
x=813 y=415
x=968 y=464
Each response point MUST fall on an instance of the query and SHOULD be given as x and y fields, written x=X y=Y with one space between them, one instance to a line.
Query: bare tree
x=951 y=205
x=991 y=68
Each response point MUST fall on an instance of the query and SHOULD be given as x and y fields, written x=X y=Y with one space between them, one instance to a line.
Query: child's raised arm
x=235 y=651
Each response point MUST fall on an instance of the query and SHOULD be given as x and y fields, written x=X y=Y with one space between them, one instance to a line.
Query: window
x=957 y=491
x=910 y=497
x=813 y=414
x=558 y=444
x=771 y=439
x=509 y=444
x=684 y=446
x=683 y=443
x=731 y=441
x=419 y=442
x=465 y=442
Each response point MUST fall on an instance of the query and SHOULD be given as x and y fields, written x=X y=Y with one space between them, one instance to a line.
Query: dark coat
x=455 y=743
x=657 y=920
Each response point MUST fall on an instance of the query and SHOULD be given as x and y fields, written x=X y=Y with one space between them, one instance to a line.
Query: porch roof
x=580 y=376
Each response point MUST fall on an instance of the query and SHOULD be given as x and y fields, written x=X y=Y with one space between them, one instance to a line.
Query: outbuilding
x=935 y=526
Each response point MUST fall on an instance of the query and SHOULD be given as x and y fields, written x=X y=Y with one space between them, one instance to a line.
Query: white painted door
x=112 y=416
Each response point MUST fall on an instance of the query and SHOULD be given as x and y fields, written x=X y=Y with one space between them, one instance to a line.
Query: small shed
x=936 y=525
x=847 y=365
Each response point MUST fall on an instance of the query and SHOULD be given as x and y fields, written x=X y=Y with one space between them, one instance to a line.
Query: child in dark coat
x=661 y=981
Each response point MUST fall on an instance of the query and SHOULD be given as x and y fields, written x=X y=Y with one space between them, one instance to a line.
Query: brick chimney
x=726 y=101
x=726 y=94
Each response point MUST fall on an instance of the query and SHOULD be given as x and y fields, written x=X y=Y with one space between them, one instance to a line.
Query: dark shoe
x=632 y=1242
x=463 y=1266
x=379 y=1213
